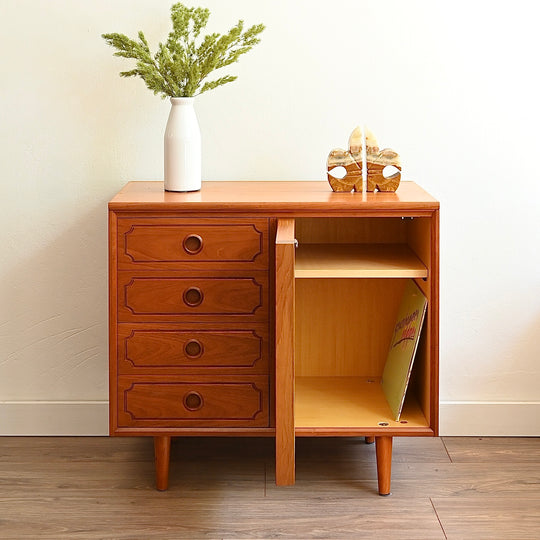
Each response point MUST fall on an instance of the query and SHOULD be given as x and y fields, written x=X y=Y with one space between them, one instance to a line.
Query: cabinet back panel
x=419 y=238
x=351 y=230
x=344 y=326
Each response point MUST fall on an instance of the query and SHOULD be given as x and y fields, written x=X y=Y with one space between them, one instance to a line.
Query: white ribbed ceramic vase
x=182 y=147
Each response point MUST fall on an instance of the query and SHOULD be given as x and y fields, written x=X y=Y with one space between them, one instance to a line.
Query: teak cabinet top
x=284 y=198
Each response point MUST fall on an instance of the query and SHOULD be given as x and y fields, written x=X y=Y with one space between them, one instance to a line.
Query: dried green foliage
x=181 y=65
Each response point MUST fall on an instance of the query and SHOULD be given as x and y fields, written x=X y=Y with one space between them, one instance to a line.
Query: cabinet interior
x=350 y=274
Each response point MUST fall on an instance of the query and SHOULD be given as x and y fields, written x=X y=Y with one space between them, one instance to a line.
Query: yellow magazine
x=397 y=370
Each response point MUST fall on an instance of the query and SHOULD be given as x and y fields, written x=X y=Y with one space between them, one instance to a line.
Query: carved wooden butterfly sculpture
x=376 y=161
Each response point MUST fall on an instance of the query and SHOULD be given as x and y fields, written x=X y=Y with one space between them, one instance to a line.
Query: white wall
x=453 y=86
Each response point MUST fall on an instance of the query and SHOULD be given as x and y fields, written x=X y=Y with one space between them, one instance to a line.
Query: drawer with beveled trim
x=191 y=244
x=193 y=401
x=170 y=349
x=193 y=297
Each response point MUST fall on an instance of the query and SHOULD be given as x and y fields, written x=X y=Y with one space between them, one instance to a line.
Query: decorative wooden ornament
x=376 y=161
x=353 y=177
x=371 y=165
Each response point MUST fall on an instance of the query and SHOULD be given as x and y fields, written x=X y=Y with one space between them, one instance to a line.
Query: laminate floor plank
x=405 y=449
x=466 y=480
x=196 y=479
x=489 y=518
x=165 y=515
x=493 y=449
x=59 y=449
x=89 y=488
x=350 y=480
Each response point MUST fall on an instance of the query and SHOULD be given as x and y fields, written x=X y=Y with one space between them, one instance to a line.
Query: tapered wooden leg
x=162 y=451
x=369 y=440
x=383 y=448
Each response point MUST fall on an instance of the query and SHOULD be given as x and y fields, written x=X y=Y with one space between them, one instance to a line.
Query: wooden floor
x=471 y=488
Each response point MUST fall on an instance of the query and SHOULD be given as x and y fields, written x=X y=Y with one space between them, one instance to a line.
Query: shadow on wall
x=53 y=343
x=518 y=367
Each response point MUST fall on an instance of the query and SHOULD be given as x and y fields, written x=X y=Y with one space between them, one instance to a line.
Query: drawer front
x=197 y=402
x=190 y=298
x=162 y=349
x=183 y=243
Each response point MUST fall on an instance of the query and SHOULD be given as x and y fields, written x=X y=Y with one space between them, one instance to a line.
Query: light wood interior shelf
x=350 y=402
x=358 y=261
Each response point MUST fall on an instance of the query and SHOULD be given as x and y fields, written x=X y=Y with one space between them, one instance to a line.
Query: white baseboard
x=41 y=418
x=90 y=418
x=490 y=418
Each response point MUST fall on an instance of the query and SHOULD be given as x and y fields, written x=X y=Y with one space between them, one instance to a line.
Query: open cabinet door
x=285 y=246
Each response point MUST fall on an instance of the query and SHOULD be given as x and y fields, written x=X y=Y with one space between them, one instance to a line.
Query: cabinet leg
x=383 y=448
x=162 y=452
x=369 y=440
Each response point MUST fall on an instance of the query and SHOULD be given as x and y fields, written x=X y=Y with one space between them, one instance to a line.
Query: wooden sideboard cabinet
x=266 y=309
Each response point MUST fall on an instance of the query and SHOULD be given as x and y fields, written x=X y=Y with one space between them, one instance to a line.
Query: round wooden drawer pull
x=193 y=348
x=193 y=296
x=192 y=244
x=193 y=401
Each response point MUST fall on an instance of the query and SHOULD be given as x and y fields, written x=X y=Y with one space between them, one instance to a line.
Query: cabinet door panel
x=285 y=306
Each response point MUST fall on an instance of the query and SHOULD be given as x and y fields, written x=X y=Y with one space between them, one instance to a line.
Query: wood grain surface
x=358 y=261
x=308 y=198
x=351 y=404
x=285 y=352
x=193 y=401
x=167 y=298
x=94 y=487
x=187 y=244
x=176 y=349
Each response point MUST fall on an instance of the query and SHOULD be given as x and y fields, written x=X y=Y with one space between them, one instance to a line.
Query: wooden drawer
x=179 y=349
x=189 y=244
x=193 y=401
x=192 y=298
